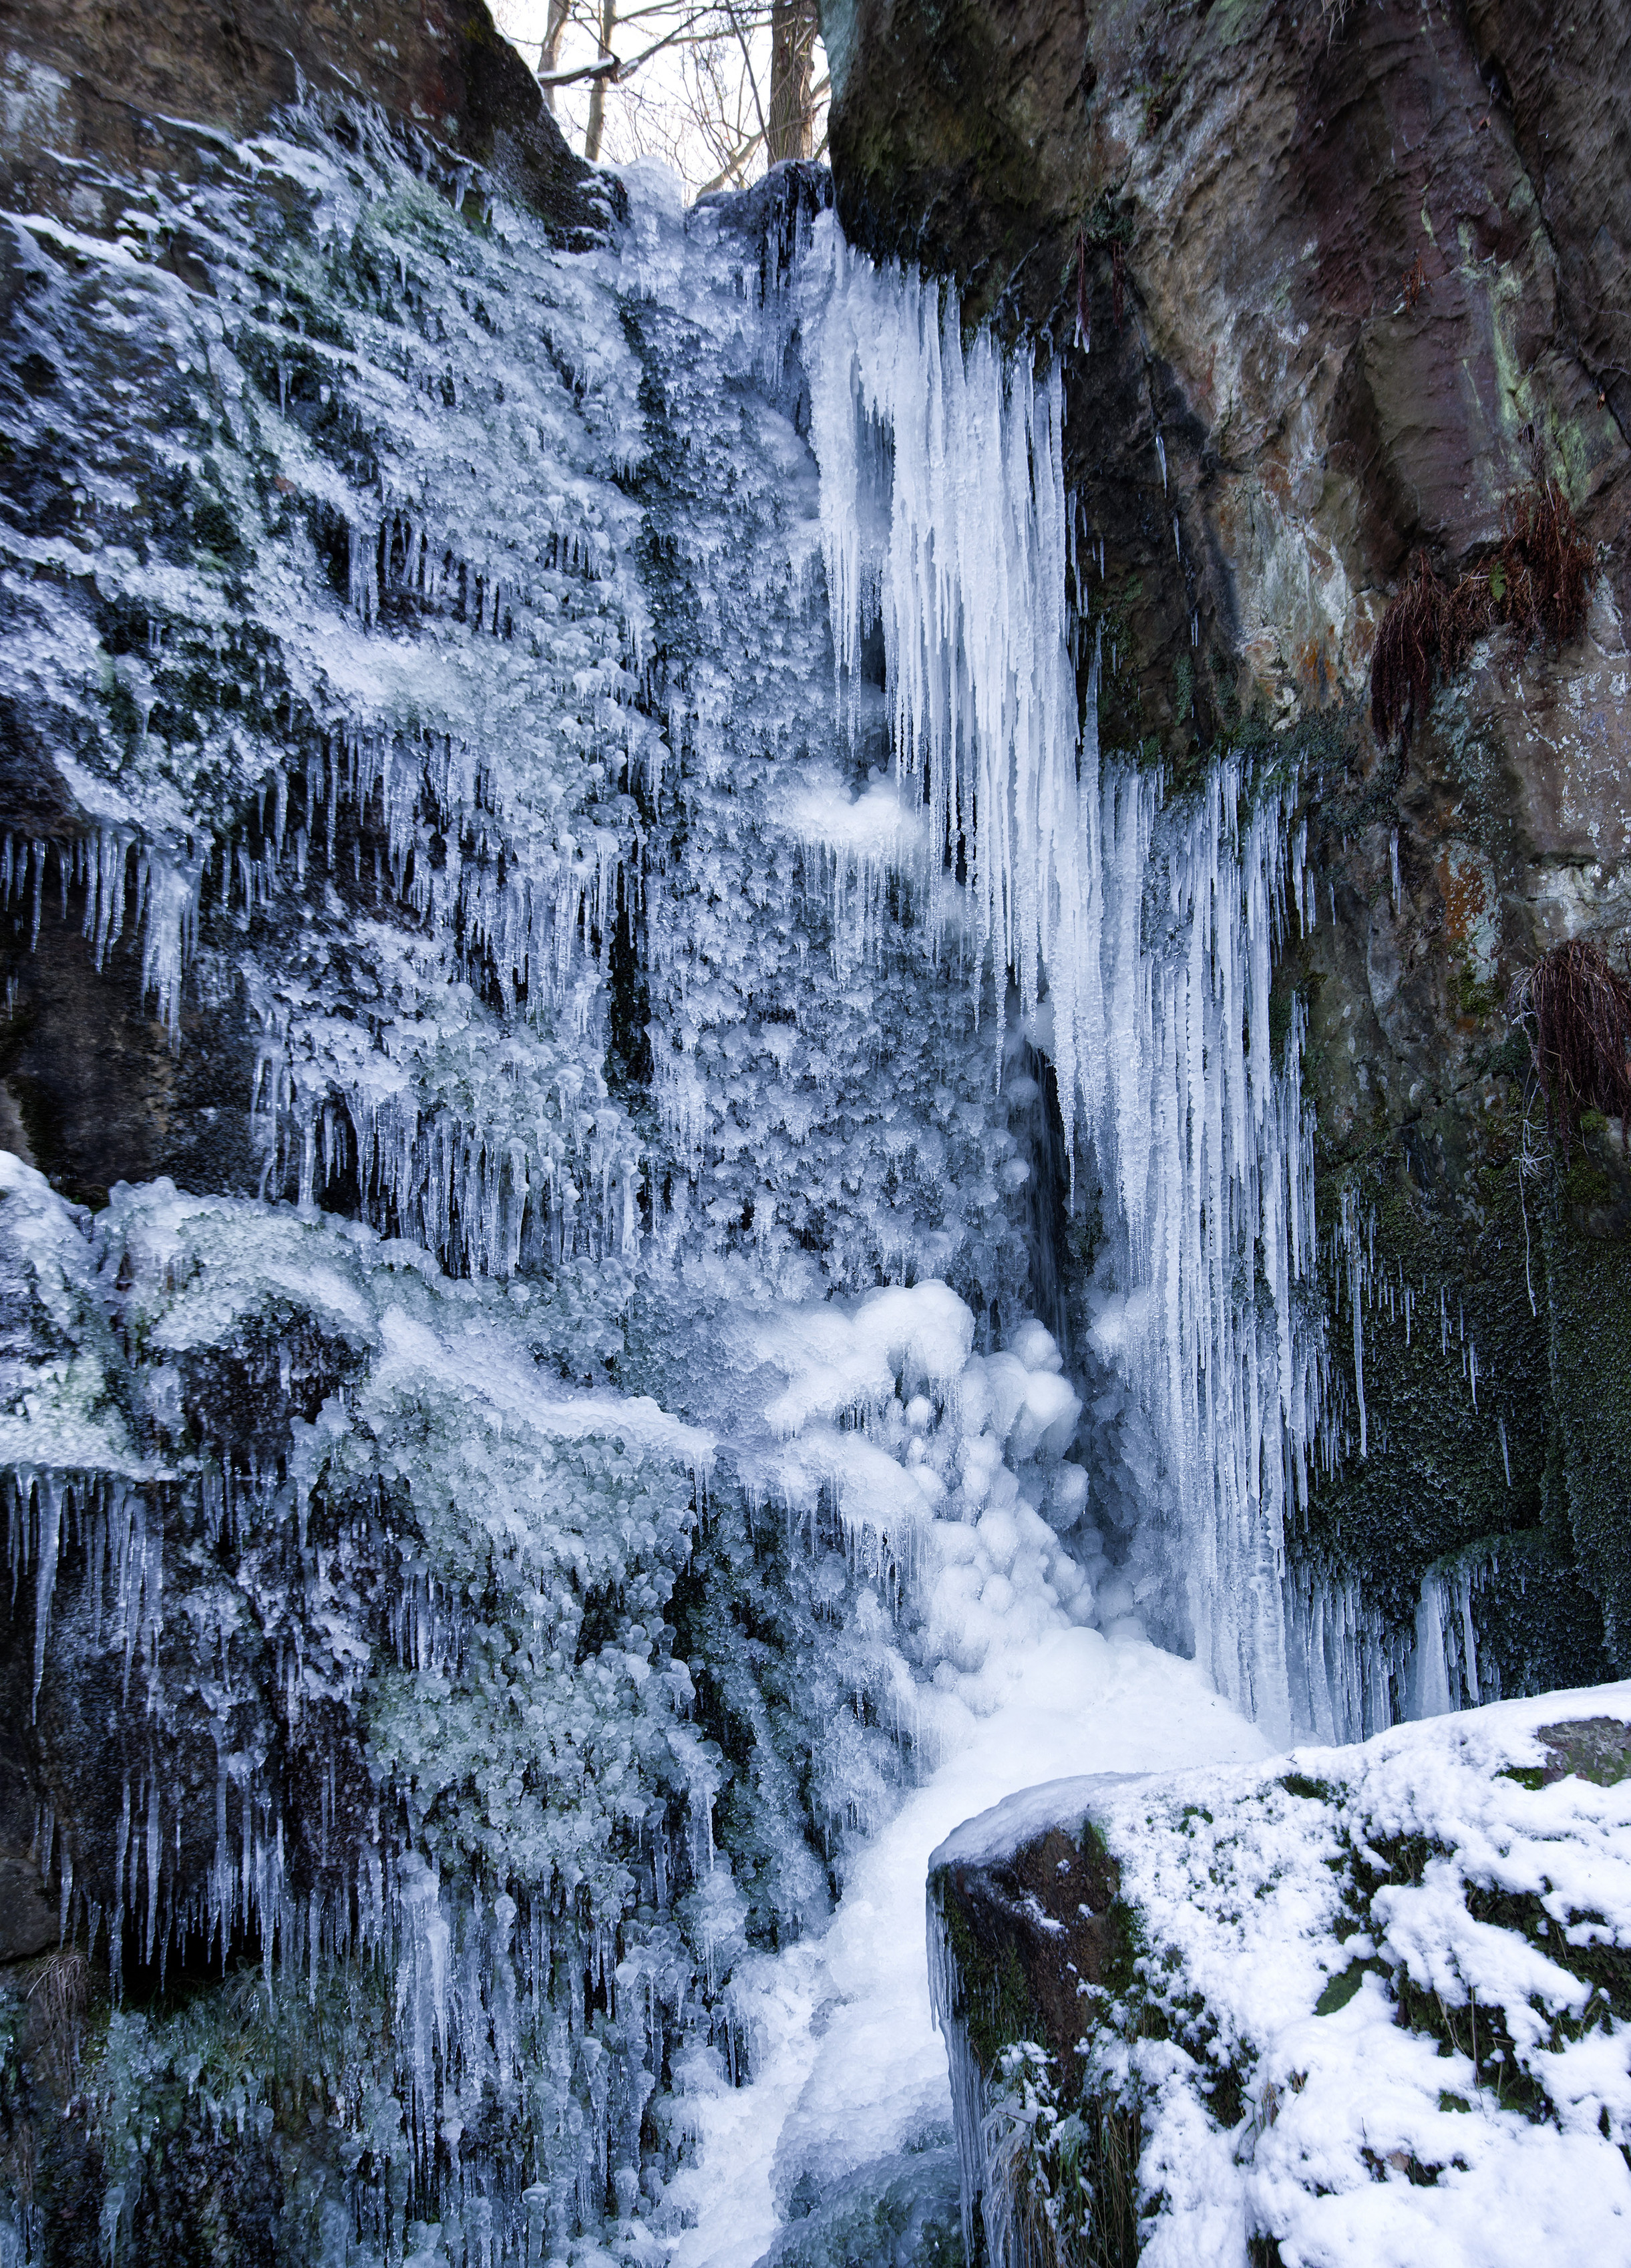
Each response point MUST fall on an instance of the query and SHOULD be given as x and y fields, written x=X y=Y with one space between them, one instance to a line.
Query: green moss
x=1474 y=996
x=1118 y=607
x=1487 y=1486
x=1310 y=1791
x=1586 y=1184
x=996 y=2001
x=1588 y=1275
x=1344 y=1987
x=1184 y=690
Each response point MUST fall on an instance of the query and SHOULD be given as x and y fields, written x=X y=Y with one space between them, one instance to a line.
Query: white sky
x=656 y=115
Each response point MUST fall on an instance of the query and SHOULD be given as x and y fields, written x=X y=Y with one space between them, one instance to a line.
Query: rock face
x=107 y=86
x=1333 y=285
x=99 y=98
x=1309 y=2010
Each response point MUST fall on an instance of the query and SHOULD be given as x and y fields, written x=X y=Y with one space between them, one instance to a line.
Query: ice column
x=1150 y=927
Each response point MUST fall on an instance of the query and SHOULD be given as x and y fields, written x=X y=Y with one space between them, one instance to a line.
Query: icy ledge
x=1352 y=2005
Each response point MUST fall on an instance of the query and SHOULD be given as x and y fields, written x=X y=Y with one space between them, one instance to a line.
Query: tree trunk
x=550 y=54
x=790 y=126
x=597 y=91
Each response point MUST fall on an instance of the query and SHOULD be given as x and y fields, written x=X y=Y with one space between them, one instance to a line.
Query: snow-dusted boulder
x=1368 y=2004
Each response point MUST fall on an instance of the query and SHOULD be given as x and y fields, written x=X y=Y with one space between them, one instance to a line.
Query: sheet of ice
x=849 y=2065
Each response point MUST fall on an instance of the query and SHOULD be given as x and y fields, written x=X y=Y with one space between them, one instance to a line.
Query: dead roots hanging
x=1576 y=1008
x=1535 y=582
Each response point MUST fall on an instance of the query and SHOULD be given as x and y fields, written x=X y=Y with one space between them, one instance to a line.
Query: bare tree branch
x=747 y=66
x=731 y=170
x=714 y=86
x=607 y=67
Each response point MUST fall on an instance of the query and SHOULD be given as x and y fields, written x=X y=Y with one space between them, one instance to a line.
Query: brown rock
x=1343 y=305
x=1039 y=1921
x=124 y=86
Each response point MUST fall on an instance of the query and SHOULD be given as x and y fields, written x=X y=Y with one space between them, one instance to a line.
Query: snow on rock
x=937 y=1463
x=1367 y=2004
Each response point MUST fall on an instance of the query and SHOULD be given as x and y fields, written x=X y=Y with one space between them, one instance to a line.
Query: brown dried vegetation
x=1576 y=1008
x=1545 y=564
x=1535 y=582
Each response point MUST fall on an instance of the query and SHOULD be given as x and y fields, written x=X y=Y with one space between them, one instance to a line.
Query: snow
x=1365 y=2137
x=849 y=2068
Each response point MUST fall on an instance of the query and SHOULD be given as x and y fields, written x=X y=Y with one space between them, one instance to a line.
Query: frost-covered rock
x=351 y=1644
x=1353 y=2004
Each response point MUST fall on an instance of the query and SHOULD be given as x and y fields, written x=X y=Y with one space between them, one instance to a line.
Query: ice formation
x=612 y=1483
x=1150 y=931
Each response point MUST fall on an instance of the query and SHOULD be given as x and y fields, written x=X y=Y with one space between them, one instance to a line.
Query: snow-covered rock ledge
x=1353 y=2004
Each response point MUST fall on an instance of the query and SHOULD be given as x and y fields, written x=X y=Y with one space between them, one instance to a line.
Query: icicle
x=1429 y=1681
x=968 y=580
x=47 y=1550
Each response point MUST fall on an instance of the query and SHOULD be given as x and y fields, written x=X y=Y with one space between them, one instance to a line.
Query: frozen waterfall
x=1144 y=933
x=586 y=1505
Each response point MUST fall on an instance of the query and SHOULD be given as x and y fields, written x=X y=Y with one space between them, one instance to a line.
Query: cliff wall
x=1336 y=287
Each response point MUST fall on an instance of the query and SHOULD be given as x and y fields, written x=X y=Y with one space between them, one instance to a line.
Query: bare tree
x=554 y=24
x=718 y=89
x=596 y=127
x=789 y=128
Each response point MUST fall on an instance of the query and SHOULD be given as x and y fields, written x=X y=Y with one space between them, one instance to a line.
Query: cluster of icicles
x=1144 y=933
x=329 y=1094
